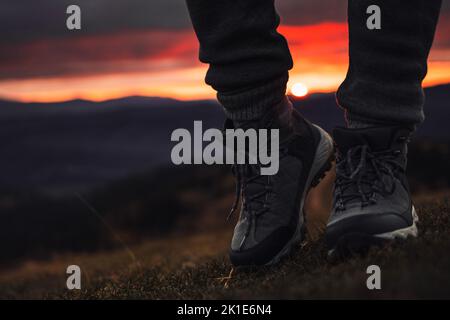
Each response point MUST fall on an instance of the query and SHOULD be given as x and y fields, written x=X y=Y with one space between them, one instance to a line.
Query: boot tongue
x=377 y=138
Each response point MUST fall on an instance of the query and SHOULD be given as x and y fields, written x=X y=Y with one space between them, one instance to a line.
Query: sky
x=148 y=47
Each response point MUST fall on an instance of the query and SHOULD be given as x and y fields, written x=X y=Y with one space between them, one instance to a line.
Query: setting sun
x=299 y=90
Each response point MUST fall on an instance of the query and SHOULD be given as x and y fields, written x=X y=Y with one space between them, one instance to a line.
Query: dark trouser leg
x=387 y=66
x=248 y=59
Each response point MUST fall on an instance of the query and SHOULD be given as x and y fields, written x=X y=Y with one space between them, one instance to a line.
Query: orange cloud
x=165 y=63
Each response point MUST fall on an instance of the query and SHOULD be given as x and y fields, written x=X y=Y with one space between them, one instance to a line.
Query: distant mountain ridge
x=79 y=144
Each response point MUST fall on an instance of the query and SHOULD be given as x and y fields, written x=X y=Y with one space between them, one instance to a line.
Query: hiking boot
x=271 y=219
x=372 y=201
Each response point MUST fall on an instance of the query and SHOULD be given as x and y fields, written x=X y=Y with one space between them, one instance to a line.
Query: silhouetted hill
x=75 y=145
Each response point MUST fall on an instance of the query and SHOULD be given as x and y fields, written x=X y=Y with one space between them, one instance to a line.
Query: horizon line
x=313 y=93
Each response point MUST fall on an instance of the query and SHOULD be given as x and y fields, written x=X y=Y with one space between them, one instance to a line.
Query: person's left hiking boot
x=372 y=201
x=271 y=219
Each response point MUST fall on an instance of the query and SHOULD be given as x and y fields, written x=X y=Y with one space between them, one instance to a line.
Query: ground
x=190 y=267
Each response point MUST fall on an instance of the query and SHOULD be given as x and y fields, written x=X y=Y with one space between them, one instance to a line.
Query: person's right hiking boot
x=372 y=201
x=271 y=219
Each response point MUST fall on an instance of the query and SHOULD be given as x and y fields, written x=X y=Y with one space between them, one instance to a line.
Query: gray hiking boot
x=372 y=202
x=271 y=219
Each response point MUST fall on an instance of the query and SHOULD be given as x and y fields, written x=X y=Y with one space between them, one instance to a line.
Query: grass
x=189 y=267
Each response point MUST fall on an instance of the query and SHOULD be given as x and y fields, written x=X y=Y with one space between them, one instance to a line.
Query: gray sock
x=282 y=111
x=356 y=124
x=253 y=103
x=359 y=123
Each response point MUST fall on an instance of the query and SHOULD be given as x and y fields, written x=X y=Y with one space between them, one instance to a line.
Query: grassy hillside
x=189 y=267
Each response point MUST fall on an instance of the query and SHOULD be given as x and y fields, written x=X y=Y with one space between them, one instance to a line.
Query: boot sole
x=360 y=243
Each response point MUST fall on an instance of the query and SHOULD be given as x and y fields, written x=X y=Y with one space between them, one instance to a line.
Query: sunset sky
x=147 y=47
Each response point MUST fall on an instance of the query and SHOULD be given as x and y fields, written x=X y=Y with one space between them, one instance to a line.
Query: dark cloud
x=23 y=20
x=314 y=11
x=29 y=19
x=302 y=12
x=98 y=54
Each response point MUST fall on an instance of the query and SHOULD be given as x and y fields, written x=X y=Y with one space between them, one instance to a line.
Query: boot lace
x=363 y=174
x=254 y=189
